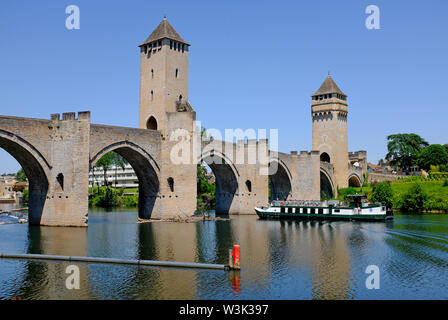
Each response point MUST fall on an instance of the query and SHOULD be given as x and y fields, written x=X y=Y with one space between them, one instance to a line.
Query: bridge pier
x=66 y=202
x=55 y=157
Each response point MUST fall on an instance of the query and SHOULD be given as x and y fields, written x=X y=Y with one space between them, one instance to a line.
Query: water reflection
x=279 y=259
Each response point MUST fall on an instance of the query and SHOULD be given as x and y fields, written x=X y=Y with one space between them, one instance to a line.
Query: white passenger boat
x=357 y=209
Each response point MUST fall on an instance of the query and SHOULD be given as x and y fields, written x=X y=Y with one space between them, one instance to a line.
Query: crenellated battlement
x=82 y=115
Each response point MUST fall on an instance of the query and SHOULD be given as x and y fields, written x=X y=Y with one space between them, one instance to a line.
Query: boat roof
x=357 y=196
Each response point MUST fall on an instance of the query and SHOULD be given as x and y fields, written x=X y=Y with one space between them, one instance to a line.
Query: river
x=279 y=259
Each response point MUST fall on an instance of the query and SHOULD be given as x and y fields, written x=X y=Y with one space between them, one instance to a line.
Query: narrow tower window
x=152 y=73
x=177 y=73
x=249 y=185
x=60 y=182
x=171 y=183
x=152 y=95
x=180 y=98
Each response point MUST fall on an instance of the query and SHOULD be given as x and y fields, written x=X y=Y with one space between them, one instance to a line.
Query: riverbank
x=113 y=197
x=432 y=194
x=13 y=210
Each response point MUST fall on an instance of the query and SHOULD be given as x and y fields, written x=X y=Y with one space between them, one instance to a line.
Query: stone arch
x=354 y=181
x=226 y=179
x=36 y=169
x=145 y=168
x=151 y=124
x=326 y=185
x=280 y=181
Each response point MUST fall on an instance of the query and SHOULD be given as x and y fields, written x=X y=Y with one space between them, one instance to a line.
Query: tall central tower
x=164 y=107
x=329 y=111
x=163 y=77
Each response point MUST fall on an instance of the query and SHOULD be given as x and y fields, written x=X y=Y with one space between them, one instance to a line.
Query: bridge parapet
x=82 y=115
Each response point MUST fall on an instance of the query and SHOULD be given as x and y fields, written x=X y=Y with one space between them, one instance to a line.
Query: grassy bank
x=432 y=194
x=110 y=197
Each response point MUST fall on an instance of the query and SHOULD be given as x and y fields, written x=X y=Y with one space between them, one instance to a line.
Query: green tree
x=403 y=149
x=118 y=162
x=434 y=154
x=105 y=162
x=446 y=147
x=414 y=200
x=21 y=176
x=383 y=193
x=25 y=197
x=205 y=190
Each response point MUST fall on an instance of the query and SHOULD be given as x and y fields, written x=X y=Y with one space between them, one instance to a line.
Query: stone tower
x=329 y=112
x=163 y=77
x=164 y=107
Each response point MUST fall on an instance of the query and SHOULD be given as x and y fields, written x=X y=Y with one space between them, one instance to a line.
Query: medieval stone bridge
x=57 y=154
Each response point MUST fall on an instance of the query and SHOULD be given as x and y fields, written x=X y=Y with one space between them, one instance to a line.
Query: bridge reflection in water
x=279 y=259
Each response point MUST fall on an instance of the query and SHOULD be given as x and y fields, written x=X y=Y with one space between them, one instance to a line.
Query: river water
x=279 y=259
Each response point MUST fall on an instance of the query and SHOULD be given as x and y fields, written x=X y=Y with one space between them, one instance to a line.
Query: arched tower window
x=151 y=123
x=324 y=157
x=152 y=95
x=180 y=98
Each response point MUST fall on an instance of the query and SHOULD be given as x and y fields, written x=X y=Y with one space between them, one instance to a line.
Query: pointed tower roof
x=164 y=31
x=329 y=86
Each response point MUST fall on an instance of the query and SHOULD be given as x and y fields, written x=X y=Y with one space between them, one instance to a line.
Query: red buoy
x=236 y=256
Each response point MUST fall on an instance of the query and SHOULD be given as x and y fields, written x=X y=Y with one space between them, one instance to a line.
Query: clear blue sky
x=253 y=64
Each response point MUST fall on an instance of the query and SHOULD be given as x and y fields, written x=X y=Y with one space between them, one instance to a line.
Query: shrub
x=445 y=183
x=107 y=199
x=414 y=200
x=110 y=199
x=129 y=201
x=25 y=197
x=344 y=192
x=383 y=193
x=438 y=175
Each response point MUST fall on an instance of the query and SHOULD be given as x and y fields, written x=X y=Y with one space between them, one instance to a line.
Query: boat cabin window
x=282 y=210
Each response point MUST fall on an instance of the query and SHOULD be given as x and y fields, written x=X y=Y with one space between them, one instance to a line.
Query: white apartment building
x=115 y=175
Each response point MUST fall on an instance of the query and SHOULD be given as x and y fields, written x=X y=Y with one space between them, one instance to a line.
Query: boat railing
x=300 y=203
